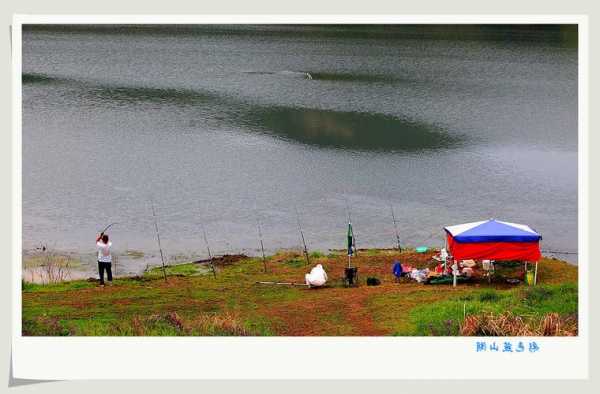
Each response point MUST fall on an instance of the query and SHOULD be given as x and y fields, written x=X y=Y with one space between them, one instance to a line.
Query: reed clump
x=507 y=324
x=201 y=325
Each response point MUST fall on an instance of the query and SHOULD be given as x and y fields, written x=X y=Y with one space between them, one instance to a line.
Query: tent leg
x=525 y=275
x=446 y=259
x=535 y=274
x=454 y=270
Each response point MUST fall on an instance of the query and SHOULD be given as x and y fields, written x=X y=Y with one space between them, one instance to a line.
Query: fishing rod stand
x=351 y=276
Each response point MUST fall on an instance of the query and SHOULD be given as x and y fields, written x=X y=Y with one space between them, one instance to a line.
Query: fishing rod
x=107 y=227
x=395 y=228
x=260 y=237
x=162 y=258
x=123 y=222
x=302 y=236
x=558 y=252
x=210 y=259
x=283 y=283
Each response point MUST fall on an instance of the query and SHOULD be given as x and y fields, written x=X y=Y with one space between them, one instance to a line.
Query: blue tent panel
x=494 y=231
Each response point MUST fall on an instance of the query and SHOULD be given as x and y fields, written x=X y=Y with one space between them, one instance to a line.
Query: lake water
x=219 y=126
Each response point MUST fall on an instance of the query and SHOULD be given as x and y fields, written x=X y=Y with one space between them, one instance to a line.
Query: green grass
x=54 y=287
x=489 y=295
x=443 y=317
x=259 y=325
x=274 y=293
x=45 y=326
x=187 y=269
x=167 y=324
x=296 y=262
x=193 y=302
x=142 y=305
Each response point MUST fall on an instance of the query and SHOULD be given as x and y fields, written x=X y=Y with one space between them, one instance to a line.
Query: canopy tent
x=493 y=240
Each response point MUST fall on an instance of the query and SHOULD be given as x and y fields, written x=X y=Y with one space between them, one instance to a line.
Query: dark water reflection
x=135 y=95
x=33 y=78
x=121 y=94
x=351 y=130
x=356 y=77
x=322 y=128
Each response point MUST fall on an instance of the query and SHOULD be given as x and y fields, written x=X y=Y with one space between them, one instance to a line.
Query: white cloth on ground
x=316 y=277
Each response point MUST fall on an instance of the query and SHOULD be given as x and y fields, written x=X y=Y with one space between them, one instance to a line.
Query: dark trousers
x=104 y=266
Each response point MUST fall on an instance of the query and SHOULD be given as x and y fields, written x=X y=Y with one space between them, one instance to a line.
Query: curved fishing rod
x=210 y=259
x=302 y=236
x=107 y=227
x=395 y=228
x=136 y=220
x=260 y=237
x=162 y=258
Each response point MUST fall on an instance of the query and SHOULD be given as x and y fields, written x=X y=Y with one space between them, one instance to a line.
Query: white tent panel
x=519 y=226
x=461 y=228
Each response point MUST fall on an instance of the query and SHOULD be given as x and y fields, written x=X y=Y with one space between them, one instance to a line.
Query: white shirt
x=104 y=252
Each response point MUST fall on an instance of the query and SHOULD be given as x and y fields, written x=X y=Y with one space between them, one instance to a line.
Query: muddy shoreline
x=48 y=266
x=58 y=266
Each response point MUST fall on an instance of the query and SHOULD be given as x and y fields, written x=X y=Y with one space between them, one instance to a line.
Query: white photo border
x=51 y=358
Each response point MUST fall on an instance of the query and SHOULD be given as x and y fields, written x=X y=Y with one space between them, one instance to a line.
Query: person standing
x=104 y=258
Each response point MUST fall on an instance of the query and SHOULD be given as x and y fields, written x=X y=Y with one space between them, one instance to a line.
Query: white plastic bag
x=443 y=254
x=455 y=269
x=317 y=276
x=419 y=275
x=487 y=265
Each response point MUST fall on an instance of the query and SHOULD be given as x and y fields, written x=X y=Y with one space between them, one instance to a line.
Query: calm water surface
x=222 y=126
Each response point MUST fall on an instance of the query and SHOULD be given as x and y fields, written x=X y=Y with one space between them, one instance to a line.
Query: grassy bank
x=192 y=302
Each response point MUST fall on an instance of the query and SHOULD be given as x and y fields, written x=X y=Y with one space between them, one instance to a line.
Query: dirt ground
x=268 y=309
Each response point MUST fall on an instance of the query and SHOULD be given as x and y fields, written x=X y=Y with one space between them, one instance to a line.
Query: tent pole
x=525 y=276
x=445 y=247
x=454 y=270
x=535 y=274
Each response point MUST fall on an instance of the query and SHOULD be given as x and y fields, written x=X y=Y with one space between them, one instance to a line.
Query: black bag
x=351 y=276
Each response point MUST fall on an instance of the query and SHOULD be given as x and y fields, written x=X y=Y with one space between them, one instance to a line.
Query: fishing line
x=302 y=235
x=162 y=258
